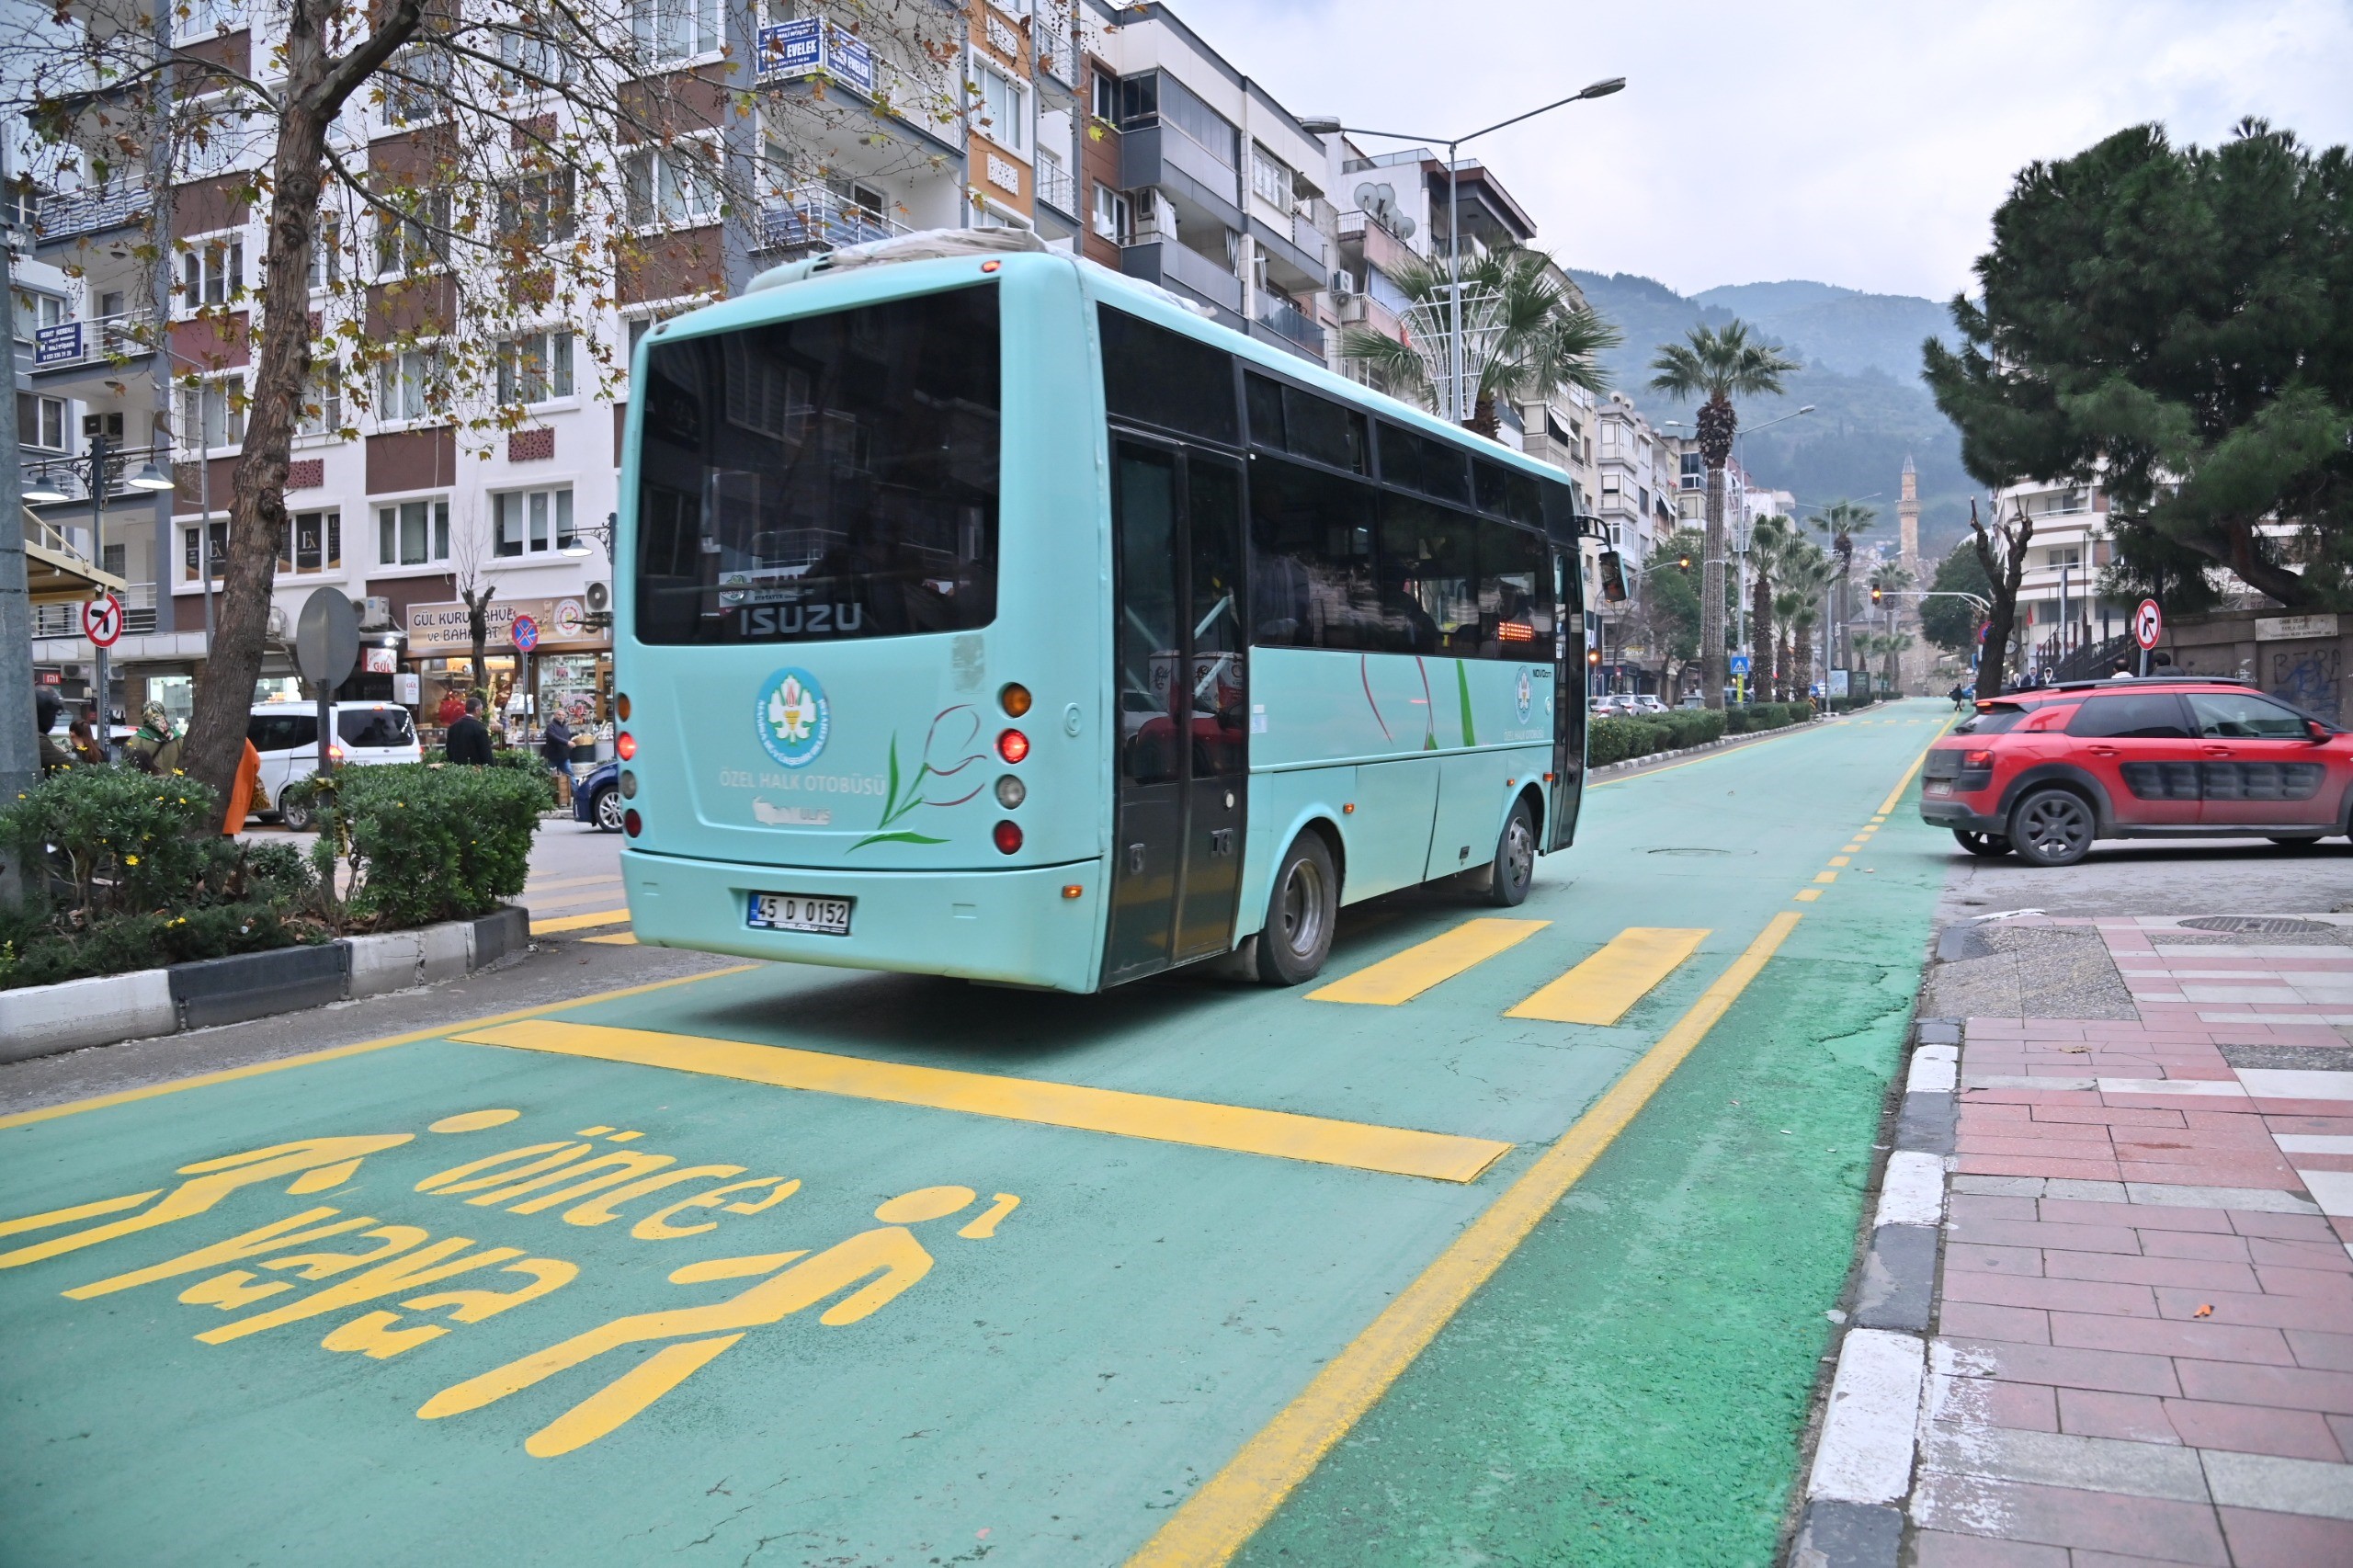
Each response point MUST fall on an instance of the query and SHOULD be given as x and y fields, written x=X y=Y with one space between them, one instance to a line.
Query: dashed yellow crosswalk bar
x=1404 y=976
x=1399 y=1150
x=1599 y=990
x=579 y=921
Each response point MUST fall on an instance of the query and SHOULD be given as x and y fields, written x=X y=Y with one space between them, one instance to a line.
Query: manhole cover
x=2254 y=924
x=1691 y=852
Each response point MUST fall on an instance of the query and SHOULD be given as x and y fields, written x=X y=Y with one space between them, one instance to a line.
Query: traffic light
x=1684 y=561
x=1593 y=655
x=1875 y=592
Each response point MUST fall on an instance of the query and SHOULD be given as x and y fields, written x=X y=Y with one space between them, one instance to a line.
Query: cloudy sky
x=1857 y=141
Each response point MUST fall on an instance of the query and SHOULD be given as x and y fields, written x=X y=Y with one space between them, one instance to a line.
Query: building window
x=213 y=413
x=1114 y=215
x=536 y=209
x=417 y=86
x=313 y=543
x=213 y=271
x=40 y=422
x=678 y=184
x=675 y=29
x=36 y=311
x=535 y=61
x=407 y=384
x=321 y=410
x=413 y=533
x=411 y=244
x=1003 y=109
x=194 y=556
x=327 y=253
x=532 y=522
x=193 y=19
x=535 y=368
x=1270 y=178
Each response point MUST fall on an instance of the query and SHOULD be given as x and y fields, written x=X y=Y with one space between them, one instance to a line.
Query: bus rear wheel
x=1301 y=913
x=1515 y=866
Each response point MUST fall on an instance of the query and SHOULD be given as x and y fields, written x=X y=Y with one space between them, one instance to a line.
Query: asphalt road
x=1512 y=1246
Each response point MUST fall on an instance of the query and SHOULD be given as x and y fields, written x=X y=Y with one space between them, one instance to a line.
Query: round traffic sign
x=524 y=633
x=2147 y=622
x=102 y=619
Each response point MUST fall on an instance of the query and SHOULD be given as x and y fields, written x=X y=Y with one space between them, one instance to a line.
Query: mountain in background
x=1861 y=354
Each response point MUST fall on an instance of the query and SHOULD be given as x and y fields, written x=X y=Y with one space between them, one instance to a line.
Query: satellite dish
x=1406 y=227
x=1367 y=194
x=1387 y=195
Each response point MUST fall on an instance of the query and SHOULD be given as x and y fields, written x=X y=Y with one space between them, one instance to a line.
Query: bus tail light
x=1007 y=836
x=625 y=746
x=1014 y=699
x=1011 y=791
x=1013 y=745
x=632 y=824
x=620 y=706
x=1073 y=890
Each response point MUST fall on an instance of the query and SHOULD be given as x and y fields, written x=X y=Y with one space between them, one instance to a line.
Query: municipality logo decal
x=792 y=718
x=1524 y=696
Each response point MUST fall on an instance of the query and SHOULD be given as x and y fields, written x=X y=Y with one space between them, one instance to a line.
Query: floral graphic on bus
x=792 y=718
x=952 y=745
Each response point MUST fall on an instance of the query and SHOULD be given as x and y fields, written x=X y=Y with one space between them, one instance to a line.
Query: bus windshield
x=827 y=477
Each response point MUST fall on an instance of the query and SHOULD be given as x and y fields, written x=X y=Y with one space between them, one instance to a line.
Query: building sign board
x=810 y=46
x=439 y=630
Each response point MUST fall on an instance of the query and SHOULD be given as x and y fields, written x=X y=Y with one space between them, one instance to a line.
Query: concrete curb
x=1864 y=1456
x=42 y=1020
x=1651 y=758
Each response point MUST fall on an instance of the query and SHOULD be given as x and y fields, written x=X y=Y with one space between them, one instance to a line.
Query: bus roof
x=1021 y=248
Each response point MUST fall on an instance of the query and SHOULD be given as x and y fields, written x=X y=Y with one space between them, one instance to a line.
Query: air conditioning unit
x=279 y=627
x=375 y=614
x=599 y=596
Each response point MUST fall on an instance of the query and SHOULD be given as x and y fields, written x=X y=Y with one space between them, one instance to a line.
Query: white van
x=287 y=736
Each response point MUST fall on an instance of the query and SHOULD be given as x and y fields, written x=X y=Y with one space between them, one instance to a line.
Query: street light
x=1332 y=127
x=44 y=488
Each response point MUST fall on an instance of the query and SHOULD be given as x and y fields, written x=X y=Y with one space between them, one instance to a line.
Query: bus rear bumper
x=1014 y=926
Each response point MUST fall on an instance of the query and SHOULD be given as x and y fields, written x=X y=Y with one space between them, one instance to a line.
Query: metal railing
x=1055 y=53
x=119 y=336
x=1057 y=187
x=92 y=211
x=816 y=217
x=1288 y=320
x=65 y=620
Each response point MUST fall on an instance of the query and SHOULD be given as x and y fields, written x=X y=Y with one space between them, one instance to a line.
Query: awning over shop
x=55 y=572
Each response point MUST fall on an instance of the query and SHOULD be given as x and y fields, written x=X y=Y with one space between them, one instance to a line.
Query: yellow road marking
x=1401 y=977
x=1841 y=859
x=618 y=939
x=1895 y=796
x=1826 y=876
x=1807 y=895
x=1599 y=990
x=579 y=921
x=1397 y=1150
x=530 y=888
x=201 y=1080
x=1212 y=1524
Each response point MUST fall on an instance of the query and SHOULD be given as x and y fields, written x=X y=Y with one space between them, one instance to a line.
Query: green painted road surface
x=453 y=1301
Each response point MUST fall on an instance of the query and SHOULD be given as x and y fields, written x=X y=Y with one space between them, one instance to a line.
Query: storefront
x=568 y=670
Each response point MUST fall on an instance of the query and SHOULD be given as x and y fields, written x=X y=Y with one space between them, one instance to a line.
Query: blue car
x=597 y=798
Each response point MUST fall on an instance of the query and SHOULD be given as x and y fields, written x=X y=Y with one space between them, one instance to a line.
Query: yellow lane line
x=618 y=939
x=1397 y=1150
x=579 y=921
x=1841 y=859
x=1826 y=876
x=612 y=881
x=201 y=1080
x=1895 y=795
x=1211 y=1525
x=1401 y=977
x=1599 y=990
x=1807 y=895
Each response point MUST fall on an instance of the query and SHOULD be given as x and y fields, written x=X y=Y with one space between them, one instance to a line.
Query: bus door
x=1182 y=688
x=1568 y=699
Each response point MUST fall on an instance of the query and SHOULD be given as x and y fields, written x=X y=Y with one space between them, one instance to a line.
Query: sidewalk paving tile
x=2184 y=1533
x=2254 y=1429
x=2285 y=1541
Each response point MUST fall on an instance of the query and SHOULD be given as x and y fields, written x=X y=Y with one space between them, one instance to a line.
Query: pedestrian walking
x=54 y=758
x=555 y=746
x=82 y=746
x=156 y=747
x=468 y=740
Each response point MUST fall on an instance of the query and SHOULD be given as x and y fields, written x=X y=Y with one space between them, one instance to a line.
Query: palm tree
x=1839 y=522
x=1886 y=580
x=1767 y=543
x=1523 y=335
x=1714 y=366
x=1806 y=577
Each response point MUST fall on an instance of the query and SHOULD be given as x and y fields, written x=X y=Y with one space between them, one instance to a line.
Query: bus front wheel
x=1515 y=866
x=1301 y=913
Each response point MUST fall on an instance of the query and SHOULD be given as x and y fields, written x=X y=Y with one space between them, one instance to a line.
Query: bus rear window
x=832 y=476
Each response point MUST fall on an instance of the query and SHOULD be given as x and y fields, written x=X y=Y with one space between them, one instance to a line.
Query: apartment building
x=2060 y=609
x=1197 y=179
x=400 y=517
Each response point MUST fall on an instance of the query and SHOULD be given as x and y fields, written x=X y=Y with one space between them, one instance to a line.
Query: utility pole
x=20 y=741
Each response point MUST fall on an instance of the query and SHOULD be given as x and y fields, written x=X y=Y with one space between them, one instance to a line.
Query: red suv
x=2043 y=773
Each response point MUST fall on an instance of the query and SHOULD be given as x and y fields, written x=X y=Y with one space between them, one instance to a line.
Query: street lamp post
x=1332 y=127
x=44 y=488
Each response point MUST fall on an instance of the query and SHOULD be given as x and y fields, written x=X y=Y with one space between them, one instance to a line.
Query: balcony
x=817 y=218
x=1056 y=55
x=65 y=620
x=1290 y=327
x=1057 y=189
x=92 y=211
x=100 y=340
x=1161 y=259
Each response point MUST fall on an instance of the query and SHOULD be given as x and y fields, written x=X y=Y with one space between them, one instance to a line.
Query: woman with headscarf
x=156 y=747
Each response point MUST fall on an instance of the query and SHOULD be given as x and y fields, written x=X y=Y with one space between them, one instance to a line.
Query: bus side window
x=1311 y=560
x=1514 y=593
x=1163 y=379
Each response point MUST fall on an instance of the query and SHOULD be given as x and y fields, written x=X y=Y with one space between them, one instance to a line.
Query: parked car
x=597 y=797
x=287 y=736
x=2045 y=774
x=1693 y=700
x=1646 y=703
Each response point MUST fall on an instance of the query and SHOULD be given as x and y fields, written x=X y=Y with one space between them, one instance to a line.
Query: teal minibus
x=992 y=615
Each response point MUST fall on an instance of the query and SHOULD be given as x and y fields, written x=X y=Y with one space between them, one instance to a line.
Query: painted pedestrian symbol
x=102 y=619
x=524 y=633
x=2147 y=622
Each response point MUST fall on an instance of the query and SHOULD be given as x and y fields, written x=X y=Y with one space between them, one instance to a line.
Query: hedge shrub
x=137 y=874
x=427 y=841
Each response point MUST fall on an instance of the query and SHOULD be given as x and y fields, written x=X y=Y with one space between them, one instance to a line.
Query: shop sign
x=379 y=661
x=435 y=629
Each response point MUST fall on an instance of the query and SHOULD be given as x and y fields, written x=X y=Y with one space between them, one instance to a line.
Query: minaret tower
x=1907 y=518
